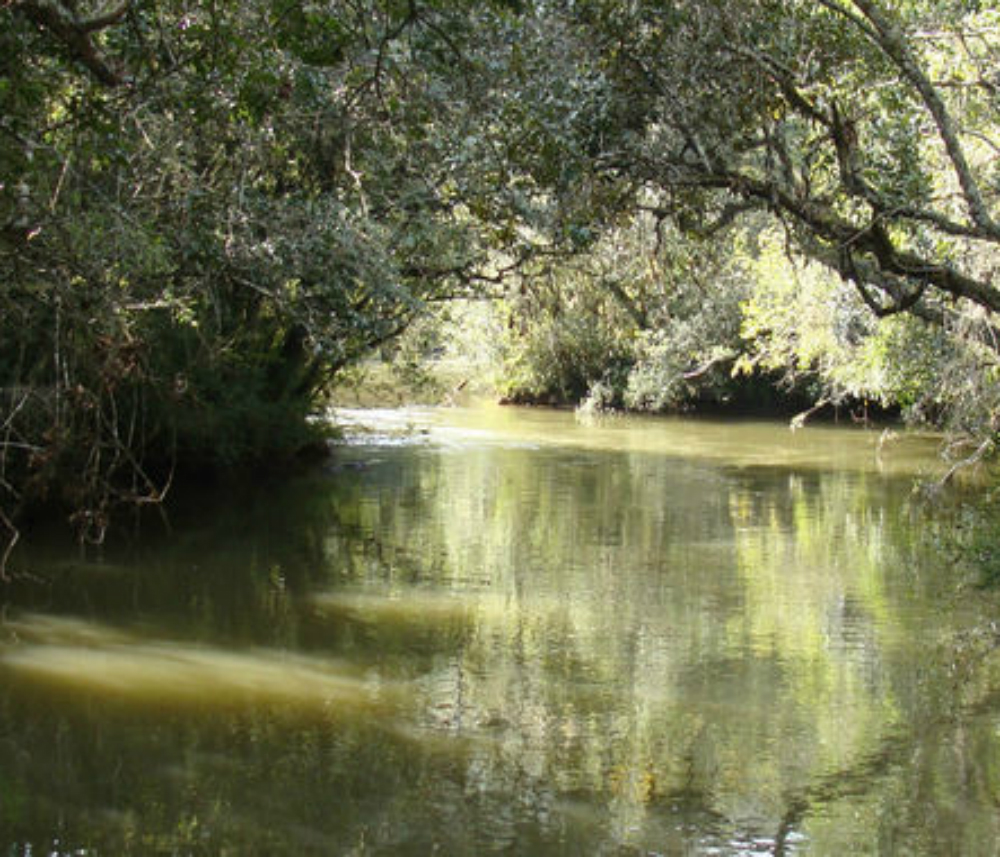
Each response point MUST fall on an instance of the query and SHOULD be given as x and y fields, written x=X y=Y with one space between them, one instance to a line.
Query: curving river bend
x=506 y=631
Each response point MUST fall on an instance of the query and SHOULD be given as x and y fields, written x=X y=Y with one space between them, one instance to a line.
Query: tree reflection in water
x=545 y=639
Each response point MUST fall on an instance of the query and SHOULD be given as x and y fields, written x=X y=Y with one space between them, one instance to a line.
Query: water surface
x=507 y=631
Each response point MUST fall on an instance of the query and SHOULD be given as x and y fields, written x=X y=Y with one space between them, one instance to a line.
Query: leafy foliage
x=647 y=320
x=206 y=213
x=867 y=133
x=210 y=211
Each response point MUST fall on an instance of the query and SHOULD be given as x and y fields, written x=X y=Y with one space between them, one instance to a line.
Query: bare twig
x=15 y=536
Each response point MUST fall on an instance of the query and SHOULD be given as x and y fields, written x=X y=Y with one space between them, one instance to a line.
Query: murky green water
x=502 y=631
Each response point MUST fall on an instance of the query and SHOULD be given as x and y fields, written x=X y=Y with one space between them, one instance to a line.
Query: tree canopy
x=208 y=211
x=867 y=129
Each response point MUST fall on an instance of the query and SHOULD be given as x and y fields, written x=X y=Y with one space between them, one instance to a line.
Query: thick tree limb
x=75 y=34
x=105 y=19
x=872 y=241
x=893 y=44
x=840 y=131
x=799 y=420
x=705 y=368
x=980 y=453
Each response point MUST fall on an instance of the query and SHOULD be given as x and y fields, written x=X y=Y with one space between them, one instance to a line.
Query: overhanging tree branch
x=892 y=42
x=886 y=259
x=75 y=34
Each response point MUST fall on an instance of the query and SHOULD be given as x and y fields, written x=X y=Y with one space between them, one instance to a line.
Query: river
x=499 y=630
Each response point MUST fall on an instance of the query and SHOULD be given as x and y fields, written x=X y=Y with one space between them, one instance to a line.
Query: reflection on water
x=504 y=631
x=113 y=664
